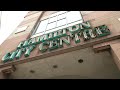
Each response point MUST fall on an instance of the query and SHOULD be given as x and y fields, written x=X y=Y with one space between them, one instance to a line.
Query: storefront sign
x=55 y=40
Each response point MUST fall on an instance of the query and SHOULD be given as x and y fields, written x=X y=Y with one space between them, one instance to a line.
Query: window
x=21 y=29
x=58 y=20
x=61 y=22
x=42 y=26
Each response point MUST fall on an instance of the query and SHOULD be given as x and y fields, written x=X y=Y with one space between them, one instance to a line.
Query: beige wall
x=115 y=50
x=95 y=65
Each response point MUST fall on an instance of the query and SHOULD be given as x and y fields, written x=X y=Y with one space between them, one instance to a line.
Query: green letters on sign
x=18 y=54
x=53 y=44
x=25 y=43
x=28 y=50
x=20 y=45
x=77 y=40
x=42 y=47
x=6 y=57
x=57 y=39
x=13 y=55
x=74 y=29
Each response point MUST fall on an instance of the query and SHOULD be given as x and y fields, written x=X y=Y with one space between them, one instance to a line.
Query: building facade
x=63 y=45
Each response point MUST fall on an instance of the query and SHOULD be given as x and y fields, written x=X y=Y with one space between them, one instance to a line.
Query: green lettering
x=13 y=55
x=86 y=35
x=20 y=45
x=67 y=41
x=6 y=57
x=86 y=25
x=53 y=44
x=74 y=29
x=38 y=40
x=91 y=33
x=32 y=41
x=42 y=47
x=28 y=50
x=25 y=43
x=77 y=40
x=50 y=36
x=18 y=54
x=64 y=32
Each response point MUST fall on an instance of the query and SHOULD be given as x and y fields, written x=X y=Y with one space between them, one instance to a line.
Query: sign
x=55 y=40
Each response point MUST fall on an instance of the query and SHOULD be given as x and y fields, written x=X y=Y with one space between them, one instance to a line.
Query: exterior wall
x=115 y=50
x=14 y=39
x=94 y=66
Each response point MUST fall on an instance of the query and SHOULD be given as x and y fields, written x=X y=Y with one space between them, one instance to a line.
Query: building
x=63 y=45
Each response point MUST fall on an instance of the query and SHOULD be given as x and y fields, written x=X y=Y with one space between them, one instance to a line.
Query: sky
x=9 y=21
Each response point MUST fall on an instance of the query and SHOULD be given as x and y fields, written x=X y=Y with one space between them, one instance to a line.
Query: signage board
x=55 y=40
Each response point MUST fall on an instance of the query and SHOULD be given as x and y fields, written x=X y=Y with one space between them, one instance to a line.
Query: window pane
x=42 y=26
x=54 y=14
x=51 y=25
x=73 y=16
x=61 y=22
x=61 y=16
x=60 y=12
x=21 y=29
x=52 y=30
x=38 y=34
x=52 y=19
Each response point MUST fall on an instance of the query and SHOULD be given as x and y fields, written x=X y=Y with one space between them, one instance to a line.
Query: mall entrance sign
x=56 y=39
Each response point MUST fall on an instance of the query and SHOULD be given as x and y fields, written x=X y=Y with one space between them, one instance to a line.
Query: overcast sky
x=9 y=21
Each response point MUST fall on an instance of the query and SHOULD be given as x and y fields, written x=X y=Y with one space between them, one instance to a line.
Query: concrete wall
x=94 y=66
x=115 y=50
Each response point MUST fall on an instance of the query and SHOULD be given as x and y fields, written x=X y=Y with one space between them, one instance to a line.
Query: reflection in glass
x=61 y=16
x=42 y=26
x=73 y=16
x=61 y=22
x=52 y=19
x=51 y=25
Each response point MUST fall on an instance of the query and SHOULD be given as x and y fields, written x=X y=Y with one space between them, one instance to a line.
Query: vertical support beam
x=115 y=51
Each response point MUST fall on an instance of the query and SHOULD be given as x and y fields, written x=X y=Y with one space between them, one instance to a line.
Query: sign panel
x=55 y=40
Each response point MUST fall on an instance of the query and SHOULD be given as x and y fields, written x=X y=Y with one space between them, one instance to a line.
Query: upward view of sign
x=55 y=40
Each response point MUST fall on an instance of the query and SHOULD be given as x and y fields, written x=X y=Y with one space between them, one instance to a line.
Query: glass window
x=21 y=29
x=54 y=14
x=52 y=30
x=51 y=25
x=61 y=12
x=59 y=20
x=73 y=16
x=52 y=19
x=42 y=26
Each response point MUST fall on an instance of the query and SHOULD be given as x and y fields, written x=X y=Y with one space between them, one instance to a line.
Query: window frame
x=55 y=29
